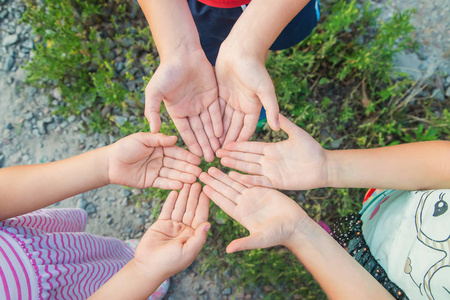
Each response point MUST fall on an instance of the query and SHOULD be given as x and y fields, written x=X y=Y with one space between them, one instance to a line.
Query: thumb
x=165 y=140
x=288 y=126
x=195 y=243
x=152 y=107
x=270 y=103
x=156 y=140
x=253 y=241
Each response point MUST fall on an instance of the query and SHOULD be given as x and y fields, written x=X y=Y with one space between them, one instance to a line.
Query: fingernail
x=207 y=227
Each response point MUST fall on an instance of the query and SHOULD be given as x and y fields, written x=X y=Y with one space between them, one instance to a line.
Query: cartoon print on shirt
x=432 y=221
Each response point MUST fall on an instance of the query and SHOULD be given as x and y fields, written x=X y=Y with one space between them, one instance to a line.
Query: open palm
x=293 y=164
x=244 y=86
x=189 y=90
x=151 y=160
x=173 y=242
x=270 y=216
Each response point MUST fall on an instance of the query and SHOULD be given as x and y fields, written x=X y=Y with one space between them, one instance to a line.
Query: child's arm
x=140 y=160
x=184 y=79
x=170 y=245
x=242 y=78
x=274 y=219
x=301 y=163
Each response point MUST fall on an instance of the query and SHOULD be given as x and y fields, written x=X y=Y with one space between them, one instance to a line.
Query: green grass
x=338 y=85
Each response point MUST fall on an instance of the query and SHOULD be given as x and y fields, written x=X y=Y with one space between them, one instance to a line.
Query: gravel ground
x=30 y=134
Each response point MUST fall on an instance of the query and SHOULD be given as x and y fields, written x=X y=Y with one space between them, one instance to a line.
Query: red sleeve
x=225 y=3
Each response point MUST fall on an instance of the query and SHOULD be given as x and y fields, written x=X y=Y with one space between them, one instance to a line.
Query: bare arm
x=300 y=163
x=27 y=188
x=140 y=160
x=172 y=27
x=261 y=23
x=339 y=275
x=272 y=219
x=414 y=166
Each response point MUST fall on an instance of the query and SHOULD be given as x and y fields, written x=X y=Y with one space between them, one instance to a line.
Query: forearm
x=261 y=23
x=339 y=275
x=172 y=27
x=414 y=166
x=27 y=188
x=130 y=283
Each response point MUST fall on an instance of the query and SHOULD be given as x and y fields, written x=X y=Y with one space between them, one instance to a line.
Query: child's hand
x=151 y=160
x=173 y=242
x=295 y=164
x=189 y=89
x=244 y=86
x=271 y=217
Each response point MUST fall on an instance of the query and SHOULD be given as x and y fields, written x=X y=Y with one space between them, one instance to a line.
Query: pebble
x=2 y=160
x=226 y=291
x=9 y=63
x=10 y=40
x=9 y=126
x=447 y=92
x=90 y=208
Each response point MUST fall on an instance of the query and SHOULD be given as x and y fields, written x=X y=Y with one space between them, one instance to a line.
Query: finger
x=181 y=166
x=247 y=243
x=243 y=166
x=219 y=175
x=249 y=127
x=221 y=188
x=192 y=203
x=168 y=206
x=251 y=180
x=208 y=127
x=180 y=205
x=202 y=211
x=251 y=147
x=177 y=175
x=227 y=117
x=202 y=139
x=216 y=118
x=155 y=139
x=152 y=107
x=289 y=127
x=220 y=200
x=195 y=243
x=270 y=103
x=243 y=156
x=167 y=184
x=188 y=136
x=178 y=153
x=235 y=127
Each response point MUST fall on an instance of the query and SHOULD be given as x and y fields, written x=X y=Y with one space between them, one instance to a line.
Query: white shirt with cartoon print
x=408 y=232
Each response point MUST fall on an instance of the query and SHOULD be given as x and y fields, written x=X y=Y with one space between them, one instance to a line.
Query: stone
x=138 y=224
x=90 y=208
x=28 y=44
x=408 y=63
x=110 y=221
x=335 y=144
x=82 y=203
x=51 y=127
x=2 y=160
x=111 y=199
x=126 y=193
x=3 y=14
x=71 y=119
x=447 y=92
x=438 y=95
x=226 y=291
x=9 y=63
x=9 y=126
x=120 y=120
x=41 y=127
x=10 y=40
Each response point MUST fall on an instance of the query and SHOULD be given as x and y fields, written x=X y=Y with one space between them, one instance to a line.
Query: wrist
x=332 y=169
x=156 y=277
x=305 y=229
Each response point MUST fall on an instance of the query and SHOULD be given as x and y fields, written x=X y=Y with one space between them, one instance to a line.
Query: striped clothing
x=46 y=255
